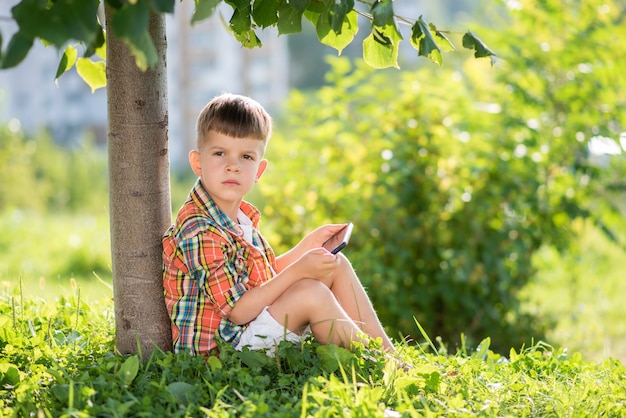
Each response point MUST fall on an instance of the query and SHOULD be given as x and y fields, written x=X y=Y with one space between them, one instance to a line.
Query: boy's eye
x=248 y=157
x=218 y=153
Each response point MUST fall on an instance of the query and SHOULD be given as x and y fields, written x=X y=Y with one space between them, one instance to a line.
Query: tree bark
x=139 y=191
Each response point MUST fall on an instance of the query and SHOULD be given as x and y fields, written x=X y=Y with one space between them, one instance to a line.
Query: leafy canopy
x=63 y=21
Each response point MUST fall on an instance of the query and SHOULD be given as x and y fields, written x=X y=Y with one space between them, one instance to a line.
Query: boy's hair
x=236 y=116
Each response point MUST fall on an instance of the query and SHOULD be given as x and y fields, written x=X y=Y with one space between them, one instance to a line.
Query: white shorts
x=265 y=333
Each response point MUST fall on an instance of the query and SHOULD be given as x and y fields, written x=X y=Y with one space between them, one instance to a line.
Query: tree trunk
x=139 y=191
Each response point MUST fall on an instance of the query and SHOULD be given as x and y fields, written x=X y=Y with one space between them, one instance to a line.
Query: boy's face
x=228 y=168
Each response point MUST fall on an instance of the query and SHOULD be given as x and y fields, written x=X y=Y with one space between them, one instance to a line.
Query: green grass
x=58 y=359
x=50 y=254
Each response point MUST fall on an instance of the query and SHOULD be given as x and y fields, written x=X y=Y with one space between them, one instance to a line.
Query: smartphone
x=339 y=241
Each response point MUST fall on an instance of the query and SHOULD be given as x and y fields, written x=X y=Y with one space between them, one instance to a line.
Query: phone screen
x=339 y=241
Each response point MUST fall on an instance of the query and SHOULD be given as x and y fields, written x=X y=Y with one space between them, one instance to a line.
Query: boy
x=220 y=275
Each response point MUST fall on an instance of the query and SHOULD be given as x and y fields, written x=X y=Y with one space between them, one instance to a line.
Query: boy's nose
x=233 y=166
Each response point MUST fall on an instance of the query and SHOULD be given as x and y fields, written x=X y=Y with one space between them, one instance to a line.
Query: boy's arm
x=315 y=264
x=312 y=240
x=289 y=257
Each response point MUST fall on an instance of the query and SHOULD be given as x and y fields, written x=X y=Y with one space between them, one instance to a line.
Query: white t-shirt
x=245 y=225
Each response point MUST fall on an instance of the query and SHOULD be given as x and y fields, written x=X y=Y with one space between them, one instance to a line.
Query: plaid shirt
x=208 y=266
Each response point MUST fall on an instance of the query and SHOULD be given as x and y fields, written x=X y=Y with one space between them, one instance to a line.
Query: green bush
x=53 y=247
x=444 y=229
x=40 y=176
x=53 y=209
x=454 y=179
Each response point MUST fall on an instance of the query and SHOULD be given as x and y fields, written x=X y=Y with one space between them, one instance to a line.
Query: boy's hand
x=319 y=236
x=317 y=264
x=313 y=240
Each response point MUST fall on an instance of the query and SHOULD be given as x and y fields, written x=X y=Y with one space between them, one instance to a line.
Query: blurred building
x=203 y=60
x=30 y=99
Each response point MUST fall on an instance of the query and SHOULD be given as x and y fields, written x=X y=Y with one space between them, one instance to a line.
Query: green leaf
x=445 y=44
x=101 y=50
x=289 y=19
x=68 y=59
x=331 y=15
x=60 y=21
x=264 y=12
x=239 y=4
x=97 y=47
x=93 y=73
x=248 y=39
x=183 y=392
x=240 y=21
x=483 y=349
x=143 y=50
x=163 y=6
x=471 y=41
x=331 y=356
x=422 y=39
x=316 y=7
x=380 y=48
x=329 y=37
x=129 y=369
x=214 y=363
x=9 y=375
x=57 y=374
x=61 y=392
x=131 y=21
x=16 y=51
x=337 y=14
x=382 y=12
x=424 y=376
x=204 y=9
x=254 y=358
x=31 y=18
x=79 y=19
x=301 y=4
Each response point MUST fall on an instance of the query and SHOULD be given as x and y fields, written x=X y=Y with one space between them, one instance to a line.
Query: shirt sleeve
x=219 y=268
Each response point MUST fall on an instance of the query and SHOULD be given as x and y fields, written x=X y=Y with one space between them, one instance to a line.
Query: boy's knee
x=310 y=290
x=344 y=259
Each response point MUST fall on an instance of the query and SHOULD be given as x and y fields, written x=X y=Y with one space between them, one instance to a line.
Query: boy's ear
x=195 y=162
x=261 y=169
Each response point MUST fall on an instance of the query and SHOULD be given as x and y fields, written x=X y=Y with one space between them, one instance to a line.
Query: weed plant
x=58 y=359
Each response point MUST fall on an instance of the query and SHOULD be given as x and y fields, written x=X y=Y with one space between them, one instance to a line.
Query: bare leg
x=352 y=297
x=337 y=314
x=311 y=302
